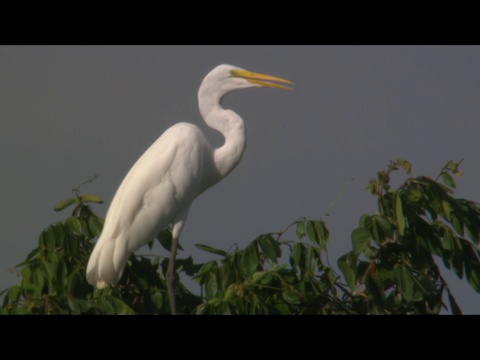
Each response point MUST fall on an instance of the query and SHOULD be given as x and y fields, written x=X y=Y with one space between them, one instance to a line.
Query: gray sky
x=69 y=112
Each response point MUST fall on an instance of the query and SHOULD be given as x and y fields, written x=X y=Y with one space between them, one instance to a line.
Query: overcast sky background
x=67 y=112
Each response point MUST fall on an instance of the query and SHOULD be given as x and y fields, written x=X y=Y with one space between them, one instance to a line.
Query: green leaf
x=348 y=266
x=105 y=306
x=301 y=232
x=472 y=265
x=73 y=226
x=311 y=261
x=74 y=246
x=95 y=224
x=64 y=203
x=269 y=247
x=360 y=240
x=250 y=259
x=453 y=304
x=385 y=205
x=38 y=280
x=331 y=276
x=399 y=215
x=230 y=293
x=121 y=307
x=73 y=305
x=385 y=275
x=448 y=240
x=72 y=281
x=318 y=233
x=84 y=305
x=150 y=244
x=312 y=233
x=205 y=269
x=404 y=280
x=215 y=302
x=100 y=293
x=377 y=233
x=447 y=209
x=47 y=268
x=365 y=221
x=157 y=299
x=14 y=293
x=457 y=260
x=472 y=219
x=49 y=237
x=211 y=286
x=3 y=292
x=283 y=308
x=385 y=226
x=406 y=165
x=211 y=250
x=448 y=180
x=188 y=266
x=414 y=194
x=453 y=167
x=297 y=256
x=291 y=297
x=457 y=223
x=267 y=279
x=323 y=234
x=373 y=186
x=59 y=234
x=91 y=198
x=26 y=275
x=62 y=275
x=32 y=253
x=164 y=237
x=375 y=289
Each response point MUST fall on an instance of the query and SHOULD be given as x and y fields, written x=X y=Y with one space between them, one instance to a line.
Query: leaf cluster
x=391 y=269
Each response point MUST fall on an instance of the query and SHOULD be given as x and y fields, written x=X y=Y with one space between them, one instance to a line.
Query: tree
x=391 y=269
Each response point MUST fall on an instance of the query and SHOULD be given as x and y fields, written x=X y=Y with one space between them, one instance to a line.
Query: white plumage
x=161 y=186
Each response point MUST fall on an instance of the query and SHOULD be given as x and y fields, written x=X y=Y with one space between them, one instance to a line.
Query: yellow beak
x=262 y=79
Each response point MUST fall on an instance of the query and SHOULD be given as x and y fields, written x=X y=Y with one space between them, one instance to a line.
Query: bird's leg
x=171 y=275
x=176 y=229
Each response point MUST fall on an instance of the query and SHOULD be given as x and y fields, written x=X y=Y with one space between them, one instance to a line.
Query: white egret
x=180 y=165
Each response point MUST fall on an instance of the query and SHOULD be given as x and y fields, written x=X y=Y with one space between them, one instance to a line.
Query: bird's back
x=163 y=182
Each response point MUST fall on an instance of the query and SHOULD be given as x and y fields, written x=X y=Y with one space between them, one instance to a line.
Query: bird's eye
x=233 y=73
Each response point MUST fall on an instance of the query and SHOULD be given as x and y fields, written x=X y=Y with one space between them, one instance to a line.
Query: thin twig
x=338 y=198
x=76 y=189
x=282 y=232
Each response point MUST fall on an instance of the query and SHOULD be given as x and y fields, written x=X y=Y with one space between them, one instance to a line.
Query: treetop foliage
x=391 y=269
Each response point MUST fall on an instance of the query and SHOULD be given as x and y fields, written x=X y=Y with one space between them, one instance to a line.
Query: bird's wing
x=163 y=182
x=166 y=178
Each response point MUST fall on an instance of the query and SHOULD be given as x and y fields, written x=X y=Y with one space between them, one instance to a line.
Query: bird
x=160 y=188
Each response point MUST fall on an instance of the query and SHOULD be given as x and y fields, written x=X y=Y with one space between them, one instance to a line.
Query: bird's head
x=226 y=78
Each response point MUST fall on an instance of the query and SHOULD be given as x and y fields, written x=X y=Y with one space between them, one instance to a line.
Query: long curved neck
x=230 y=125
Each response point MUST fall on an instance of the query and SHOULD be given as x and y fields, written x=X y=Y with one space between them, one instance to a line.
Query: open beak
x=262 y=79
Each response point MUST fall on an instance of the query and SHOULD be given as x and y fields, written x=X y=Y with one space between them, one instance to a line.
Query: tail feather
x=106 y=264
